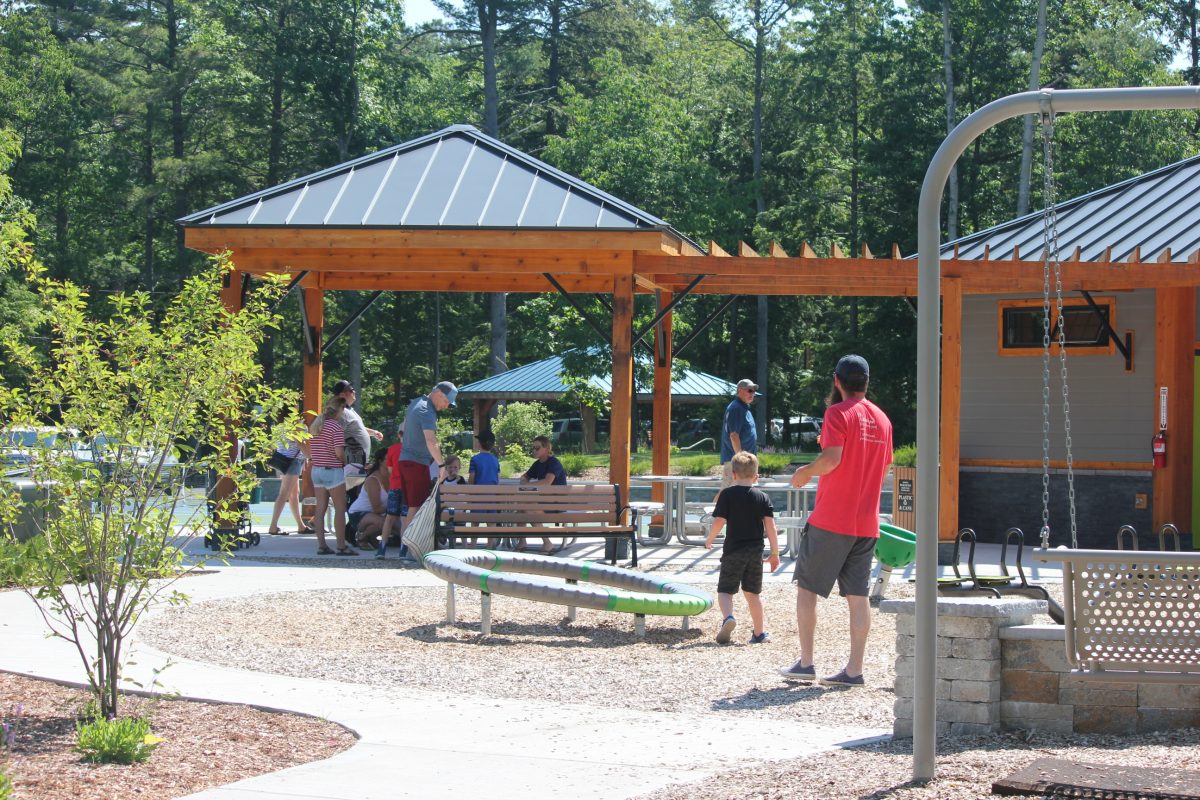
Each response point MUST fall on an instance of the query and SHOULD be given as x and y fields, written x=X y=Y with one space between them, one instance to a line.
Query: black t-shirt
x=743 y=509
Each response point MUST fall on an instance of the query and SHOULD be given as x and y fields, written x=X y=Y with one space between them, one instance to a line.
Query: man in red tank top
x=839 y=539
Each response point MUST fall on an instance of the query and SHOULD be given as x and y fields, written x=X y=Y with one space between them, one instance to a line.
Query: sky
x=418 y=11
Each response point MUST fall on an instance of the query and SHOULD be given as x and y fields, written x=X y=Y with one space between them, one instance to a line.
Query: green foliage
x=905 y=456
x=152 y=397
x=697 y=466
x=515 y=464
x=19 y=559
x=125 y=740
x=575 y=463
x=775 y=463
x=449 y=433
x=6 y=787
x=518 y=424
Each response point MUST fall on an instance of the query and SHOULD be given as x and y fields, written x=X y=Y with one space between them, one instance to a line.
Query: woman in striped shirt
x=327 y=453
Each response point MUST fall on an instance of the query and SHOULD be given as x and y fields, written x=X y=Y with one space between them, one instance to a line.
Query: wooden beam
x=777 y=250
x=214 y=239
x=714 y=249
x=746 y=251
x=952 y=317
x=836 y=251
x=806 y=251
x=622 y=383
x=1174 y=359
x=661 y=439
x=450 y=282
x=582 y=262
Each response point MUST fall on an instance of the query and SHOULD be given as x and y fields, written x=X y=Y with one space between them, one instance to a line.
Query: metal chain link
x=1052 y=256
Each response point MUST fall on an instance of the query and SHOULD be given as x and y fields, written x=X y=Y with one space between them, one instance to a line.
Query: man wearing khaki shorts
x=738 y=432
x=839 y=539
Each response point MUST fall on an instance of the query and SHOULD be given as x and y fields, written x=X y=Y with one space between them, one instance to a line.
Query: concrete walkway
x=421 y=744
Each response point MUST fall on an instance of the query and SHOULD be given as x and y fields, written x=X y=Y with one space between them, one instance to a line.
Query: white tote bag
x=419 y=535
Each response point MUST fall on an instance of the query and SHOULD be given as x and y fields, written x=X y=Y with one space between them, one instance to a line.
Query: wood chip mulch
x=204 y=745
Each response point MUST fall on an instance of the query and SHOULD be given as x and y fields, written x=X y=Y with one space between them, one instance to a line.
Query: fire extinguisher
x=1158 y=446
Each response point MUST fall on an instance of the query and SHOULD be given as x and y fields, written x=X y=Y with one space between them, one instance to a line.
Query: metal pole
x=1046 y=101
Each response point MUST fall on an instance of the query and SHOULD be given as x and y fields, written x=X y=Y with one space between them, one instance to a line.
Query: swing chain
x=1052 y=256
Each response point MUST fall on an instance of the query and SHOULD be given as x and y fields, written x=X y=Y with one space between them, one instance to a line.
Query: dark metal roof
x=1153 y=212
x=542 y=380
x=458 y=177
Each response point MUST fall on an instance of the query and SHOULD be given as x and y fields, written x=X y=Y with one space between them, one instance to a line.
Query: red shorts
x=415 y=483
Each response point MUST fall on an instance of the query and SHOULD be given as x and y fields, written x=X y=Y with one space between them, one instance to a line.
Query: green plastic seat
x=896 y=547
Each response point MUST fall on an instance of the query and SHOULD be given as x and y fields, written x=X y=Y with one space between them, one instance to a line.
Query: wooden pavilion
x=458 y=211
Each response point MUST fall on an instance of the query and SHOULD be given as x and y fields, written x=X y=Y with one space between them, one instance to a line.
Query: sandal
x=325 y=551
x=346 y=551
x=277 y=532
x=307 y=529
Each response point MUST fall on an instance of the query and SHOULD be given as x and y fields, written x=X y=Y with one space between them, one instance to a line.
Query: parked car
x=20 y=447
x=803 y=431
x=693 y=430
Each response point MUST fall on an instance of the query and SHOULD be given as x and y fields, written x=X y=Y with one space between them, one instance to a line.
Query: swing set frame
x=1046 y=103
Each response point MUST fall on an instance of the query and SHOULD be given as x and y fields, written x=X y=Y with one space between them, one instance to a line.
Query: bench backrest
x=575 y=504
x=1129 y=610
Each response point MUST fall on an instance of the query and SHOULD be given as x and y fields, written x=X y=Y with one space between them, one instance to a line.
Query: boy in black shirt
x=748 y=514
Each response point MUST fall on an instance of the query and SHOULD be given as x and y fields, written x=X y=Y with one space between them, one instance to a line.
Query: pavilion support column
x=314 y=309
x=1174 y=339
x=661 y=463
x=481 y=409
x=231 y=300
x=952 y=317
x=622 y=382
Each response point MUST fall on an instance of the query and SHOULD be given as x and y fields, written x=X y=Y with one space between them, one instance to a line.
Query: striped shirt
x=321 y=446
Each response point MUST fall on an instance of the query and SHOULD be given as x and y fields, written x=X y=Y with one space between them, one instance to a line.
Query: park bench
x=512 y=511
x=1130 y=615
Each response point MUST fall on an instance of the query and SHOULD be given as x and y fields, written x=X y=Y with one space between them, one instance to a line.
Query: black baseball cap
x=852 y=366
x=342 y=386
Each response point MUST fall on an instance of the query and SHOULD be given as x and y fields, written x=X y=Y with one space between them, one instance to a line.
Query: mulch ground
x=204 y=745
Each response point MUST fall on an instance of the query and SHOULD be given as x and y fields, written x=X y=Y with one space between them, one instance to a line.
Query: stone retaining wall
x=997 y=671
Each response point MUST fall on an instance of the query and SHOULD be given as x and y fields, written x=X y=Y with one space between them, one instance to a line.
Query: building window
x=1021 y=326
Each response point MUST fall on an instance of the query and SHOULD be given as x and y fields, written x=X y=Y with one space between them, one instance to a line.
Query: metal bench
x=1131 y=615
x=510 y=511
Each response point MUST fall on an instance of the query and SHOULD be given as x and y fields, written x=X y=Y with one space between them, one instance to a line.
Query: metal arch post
x=1045 y=101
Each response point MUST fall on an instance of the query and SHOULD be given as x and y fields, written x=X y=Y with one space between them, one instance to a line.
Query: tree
x=519 y=423
x=135 y=390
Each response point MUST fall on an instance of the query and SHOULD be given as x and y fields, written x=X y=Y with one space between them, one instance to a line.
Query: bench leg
x=571 y=609
x=449 y=603
x=687 y=623
x=639 y=626
x=485 y=619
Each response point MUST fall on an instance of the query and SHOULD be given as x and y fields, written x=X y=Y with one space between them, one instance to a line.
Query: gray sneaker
x=799 y=674
x=760 y=638
x=842 y=679
x=726 y=631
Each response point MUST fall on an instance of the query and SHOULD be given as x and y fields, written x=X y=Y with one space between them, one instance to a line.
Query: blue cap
x=852 y=366
x=449 y=389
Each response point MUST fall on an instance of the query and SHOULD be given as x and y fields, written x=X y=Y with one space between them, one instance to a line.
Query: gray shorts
x=826 y=557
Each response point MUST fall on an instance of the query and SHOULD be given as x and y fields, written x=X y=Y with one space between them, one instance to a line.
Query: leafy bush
x=515 y=464
x=697 y=466
x=774 y=463
x=6 y=787
x=116 y=741
x=518 y=424
x=17 y=560
x=905 y=456
x=575 y=463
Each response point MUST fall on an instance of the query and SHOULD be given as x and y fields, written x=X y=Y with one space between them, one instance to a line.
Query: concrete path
x=421 y=744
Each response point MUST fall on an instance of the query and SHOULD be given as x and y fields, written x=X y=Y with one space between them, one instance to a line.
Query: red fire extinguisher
x=1158 y=446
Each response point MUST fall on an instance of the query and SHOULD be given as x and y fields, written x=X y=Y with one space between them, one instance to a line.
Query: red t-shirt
x=848 y=497
x=393 y=464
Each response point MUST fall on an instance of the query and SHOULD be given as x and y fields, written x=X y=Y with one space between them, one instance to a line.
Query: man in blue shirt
x=546 y=470
x=738 y=432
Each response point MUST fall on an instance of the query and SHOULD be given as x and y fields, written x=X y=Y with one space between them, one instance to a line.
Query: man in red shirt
x=839 y=539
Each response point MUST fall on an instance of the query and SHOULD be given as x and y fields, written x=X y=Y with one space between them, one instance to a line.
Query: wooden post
x=661 y=446
x=951 y=407
x=314 y=308
x=1174 y=360
x=482 y=408
x=622 y=383
x=231 y=299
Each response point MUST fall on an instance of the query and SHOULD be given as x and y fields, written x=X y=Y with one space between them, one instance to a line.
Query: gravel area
x=204 y=745
x=966 y=767
x=389 y=637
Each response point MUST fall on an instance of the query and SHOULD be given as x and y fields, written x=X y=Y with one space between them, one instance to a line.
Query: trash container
x=256 y=493
x=616 y=549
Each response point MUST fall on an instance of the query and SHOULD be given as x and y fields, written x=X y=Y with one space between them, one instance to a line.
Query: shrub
x=515 y=464
x=6 y=787
x=697 y=466
x=575 y=463
x=773 y=463
x=17 y=560
x=156 y=395
x=116 y=741
x=518 y=424
x=905 y=456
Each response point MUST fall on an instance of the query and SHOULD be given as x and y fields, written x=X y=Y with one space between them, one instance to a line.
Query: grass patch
x=126 y=740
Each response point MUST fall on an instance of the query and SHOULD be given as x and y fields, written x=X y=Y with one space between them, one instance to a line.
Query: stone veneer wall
x=997 y=671
x=1038 y=692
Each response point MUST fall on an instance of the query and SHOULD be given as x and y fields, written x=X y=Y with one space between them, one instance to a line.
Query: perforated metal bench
x=1131 y=615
